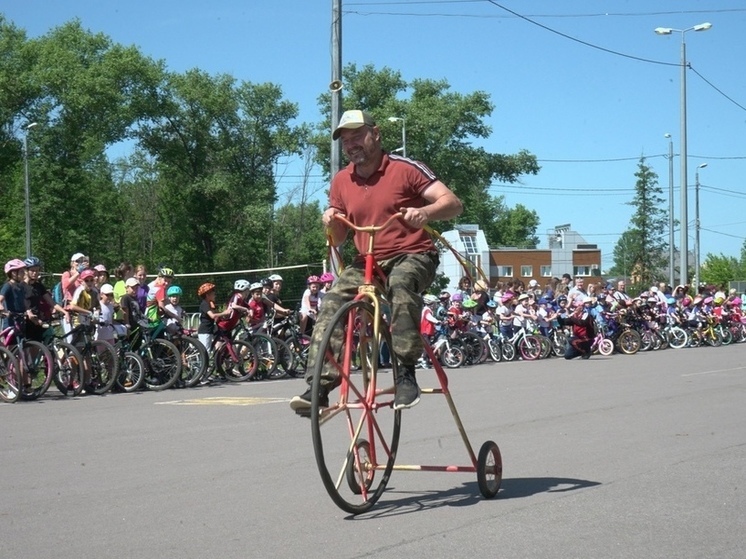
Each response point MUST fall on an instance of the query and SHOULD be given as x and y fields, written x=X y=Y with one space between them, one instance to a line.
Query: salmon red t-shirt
x=398 y=183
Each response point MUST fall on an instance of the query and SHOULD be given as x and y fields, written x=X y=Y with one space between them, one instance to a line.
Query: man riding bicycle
x=372 y=188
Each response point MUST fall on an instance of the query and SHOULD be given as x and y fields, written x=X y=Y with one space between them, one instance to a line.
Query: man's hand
x=335 y=229
x=416 y=217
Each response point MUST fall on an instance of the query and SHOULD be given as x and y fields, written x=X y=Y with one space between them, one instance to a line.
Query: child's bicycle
x=356 y=438
x=229 y=359
x=35 y=361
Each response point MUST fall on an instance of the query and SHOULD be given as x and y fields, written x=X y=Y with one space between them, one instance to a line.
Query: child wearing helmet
x=155 y=304
x=173 y=322
x=237 y=305
x=273 y=296
x=13 y=292
x=257 y=307
x=309 y=304
x=39 y=301
x=208 y=314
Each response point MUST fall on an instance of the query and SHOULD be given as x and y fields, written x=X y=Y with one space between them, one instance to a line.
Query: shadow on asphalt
x=468 y=494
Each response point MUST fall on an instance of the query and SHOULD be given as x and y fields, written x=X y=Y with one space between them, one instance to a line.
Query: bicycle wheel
x=489 y=469
x=194 y=361
x=629 y=342
x=354 y=444
x=530 y=348
x=163 y=364
x=508 y=350
x=725 y=334
x=38 y=366
x=285 y=359
x=713 y=337
x=546 y=346
x=103 y=367
x=9 y=374
x=452 y=356
x=68 y=369
x=237 y=361
x=299 y=346
x=677 y=337
x=131 y=372
x=559 y=343
x=606 y=347
x=266 y=353
x=496 y=350
x=473 y=347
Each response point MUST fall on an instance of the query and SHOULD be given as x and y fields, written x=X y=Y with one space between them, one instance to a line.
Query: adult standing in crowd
x=71 y=281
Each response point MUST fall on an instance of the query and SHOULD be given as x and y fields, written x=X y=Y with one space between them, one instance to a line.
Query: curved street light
x=27 y=196
x=684 y=185
x=403 y=121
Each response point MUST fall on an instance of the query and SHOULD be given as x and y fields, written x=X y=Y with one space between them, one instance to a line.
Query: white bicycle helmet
x=240 y=285
x=256 y=285
x=430 y=299
x=275 y=277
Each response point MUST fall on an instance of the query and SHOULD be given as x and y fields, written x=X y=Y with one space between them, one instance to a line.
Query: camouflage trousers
x=408 y=275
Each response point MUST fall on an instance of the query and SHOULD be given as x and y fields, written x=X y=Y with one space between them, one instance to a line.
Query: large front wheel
x=356 y=437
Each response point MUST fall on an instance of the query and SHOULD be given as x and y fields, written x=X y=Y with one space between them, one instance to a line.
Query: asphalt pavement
x=638 y=456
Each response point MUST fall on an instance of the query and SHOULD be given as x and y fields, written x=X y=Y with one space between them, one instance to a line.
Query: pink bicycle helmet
x=313 y=279
x=326 y=277
x=457 y=297
x=14 y=264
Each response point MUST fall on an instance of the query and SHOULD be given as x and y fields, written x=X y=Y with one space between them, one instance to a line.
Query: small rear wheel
x=489 y=469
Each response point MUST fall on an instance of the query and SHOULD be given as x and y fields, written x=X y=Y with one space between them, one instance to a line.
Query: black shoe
x=407 y=391
x=302 y=404
x=586 y=355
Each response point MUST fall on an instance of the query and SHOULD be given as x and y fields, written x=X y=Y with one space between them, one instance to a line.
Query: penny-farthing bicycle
x=356 y=437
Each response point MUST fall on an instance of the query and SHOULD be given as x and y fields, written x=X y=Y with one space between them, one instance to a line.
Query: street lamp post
x=670 y=211
x=27 y=192
x=696 y=226
x=684 y=185
x=403 y=133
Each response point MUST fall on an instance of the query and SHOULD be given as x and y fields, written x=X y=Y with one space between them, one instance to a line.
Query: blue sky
x=586 y=86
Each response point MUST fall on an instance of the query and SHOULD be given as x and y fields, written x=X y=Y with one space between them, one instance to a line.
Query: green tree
x=86 y=93
x=719 y=270
x=215 y=148
x=640 y=253
x=441 y=127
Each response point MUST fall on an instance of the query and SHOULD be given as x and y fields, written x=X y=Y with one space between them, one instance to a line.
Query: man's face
x=579 y=283
x=361 y=145
x=621 y=286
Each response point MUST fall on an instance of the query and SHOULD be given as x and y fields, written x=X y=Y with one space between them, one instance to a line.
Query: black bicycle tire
x=173 y=376
x=73 y=368
x=9 y=369
x=111 y=368
x=48 y=372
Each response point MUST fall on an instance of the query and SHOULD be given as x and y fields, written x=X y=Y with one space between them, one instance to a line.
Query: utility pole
x=336 y=84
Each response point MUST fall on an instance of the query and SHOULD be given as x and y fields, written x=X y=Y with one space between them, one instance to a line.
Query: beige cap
x=351 y=120
x=131 y=282
x=107 y=289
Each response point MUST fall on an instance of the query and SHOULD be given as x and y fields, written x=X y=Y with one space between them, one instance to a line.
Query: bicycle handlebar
x=368 y=228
